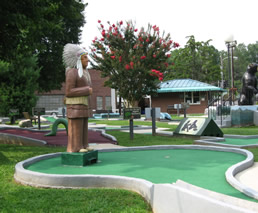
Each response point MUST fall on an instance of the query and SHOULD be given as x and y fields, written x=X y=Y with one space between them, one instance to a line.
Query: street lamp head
x=229 y=39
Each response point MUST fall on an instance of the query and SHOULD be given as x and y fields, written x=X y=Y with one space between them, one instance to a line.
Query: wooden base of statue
x=79 y=158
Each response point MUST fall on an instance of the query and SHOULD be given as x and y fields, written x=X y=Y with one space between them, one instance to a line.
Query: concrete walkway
x=249 y=177
x=104 y=146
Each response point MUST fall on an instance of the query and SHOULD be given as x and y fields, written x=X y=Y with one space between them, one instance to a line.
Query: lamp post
x=231 y=43
x=221 y=72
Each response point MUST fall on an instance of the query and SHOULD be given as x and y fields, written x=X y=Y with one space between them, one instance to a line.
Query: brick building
x=197 y=94
x=102 y=99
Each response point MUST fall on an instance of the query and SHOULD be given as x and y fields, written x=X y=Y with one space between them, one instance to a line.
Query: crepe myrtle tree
x=133 y=60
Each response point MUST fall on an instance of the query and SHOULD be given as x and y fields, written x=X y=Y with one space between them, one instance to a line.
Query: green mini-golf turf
x=241 y=141
x=198 y=167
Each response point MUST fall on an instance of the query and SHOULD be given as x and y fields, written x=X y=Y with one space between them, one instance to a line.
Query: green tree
x=41 y=28
x=32 y=36
x=18 y=84
x=133 y=61
x=197 y=60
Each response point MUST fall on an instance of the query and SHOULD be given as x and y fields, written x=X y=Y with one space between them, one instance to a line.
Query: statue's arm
x=71 y=90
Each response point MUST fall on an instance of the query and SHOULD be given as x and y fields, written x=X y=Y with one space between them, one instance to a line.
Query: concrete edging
x=104 y=134
x=214 y=141
x=6 y=138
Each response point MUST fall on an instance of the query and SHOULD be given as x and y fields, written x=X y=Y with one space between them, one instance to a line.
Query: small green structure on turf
x=79 y=158
x=198 y=127
x=55 y=125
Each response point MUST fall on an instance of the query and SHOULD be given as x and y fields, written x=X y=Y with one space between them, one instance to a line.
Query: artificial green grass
x=241 y=141
x=18 y=198
x=203 y=168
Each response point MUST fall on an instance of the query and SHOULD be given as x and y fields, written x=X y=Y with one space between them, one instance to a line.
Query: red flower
x=154 y=56
x=176 y=45
x=127 y=67
x=121 y=22
x=147 y=40
x=131 y=64
x=102 y=39
x=143 y=57
x=168 y=55
x=113 y=56
x=160 y=79
x=120 y=58
x=166 y=64
x=135 y=30
x=135 y=46
x=103 y=33
x=113 y=25
x=102 y=26
x=99 y=21
x=93 y=41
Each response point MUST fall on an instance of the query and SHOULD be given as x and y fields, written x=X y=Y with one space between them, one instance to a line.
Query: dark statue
x=249 y=85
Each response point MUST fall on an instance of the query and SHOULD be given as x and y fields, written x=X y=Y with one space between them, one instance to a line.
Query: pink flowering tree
x=133 y=60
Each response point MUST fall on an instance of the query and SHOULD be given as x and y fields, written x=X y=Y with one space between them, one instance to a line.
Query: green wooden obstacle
x=55 y=126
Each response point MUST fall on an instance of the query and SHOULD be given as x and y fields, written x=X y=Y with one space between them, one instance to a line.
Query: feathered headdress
x=72 y=57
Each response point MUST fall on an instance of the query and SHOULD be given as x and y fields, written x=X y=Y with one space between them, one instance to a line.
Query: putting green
x=202 y=168
x=241 y=141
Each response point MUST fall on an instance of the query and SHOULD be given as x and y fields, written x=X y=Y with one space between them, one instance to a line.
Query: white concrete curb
x=6 y=138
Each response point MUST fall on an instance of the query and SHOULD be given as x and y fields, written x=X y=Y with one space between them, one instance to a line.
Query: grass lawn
x=18 y=198
x=123 y=139
x=126 y=123
x=249 y=130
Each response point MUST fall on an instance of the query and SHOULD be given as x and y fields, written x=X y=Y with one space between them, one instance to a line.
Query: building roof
x=186 y=85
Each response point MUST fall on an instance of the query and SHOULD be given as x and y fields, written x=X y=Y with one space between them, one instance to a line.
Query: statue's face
x=85 y=60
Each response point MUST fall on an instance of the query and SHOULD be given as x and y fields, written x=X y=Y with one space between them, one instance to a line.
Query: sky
x=205 y=19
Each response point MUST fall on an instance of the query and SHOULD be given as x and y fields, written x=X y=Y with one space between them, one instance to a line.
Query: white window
x=107 y=102
x=192 y=97
x=99 y=102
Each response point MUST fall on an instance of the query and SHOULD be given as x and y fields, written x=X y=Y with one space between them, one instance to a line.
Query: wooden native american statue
x=77 y=92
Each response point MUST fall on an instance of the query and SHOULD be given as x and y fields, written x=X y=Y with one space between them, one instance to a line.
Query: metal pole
x=153 y=116
x=39 y=120
x=232 y=73
x=131 y=129
x=230 y=100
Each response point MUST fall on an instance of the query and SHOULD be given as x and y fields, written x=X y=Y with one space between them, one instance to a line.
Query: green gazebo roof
x=186 y=85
